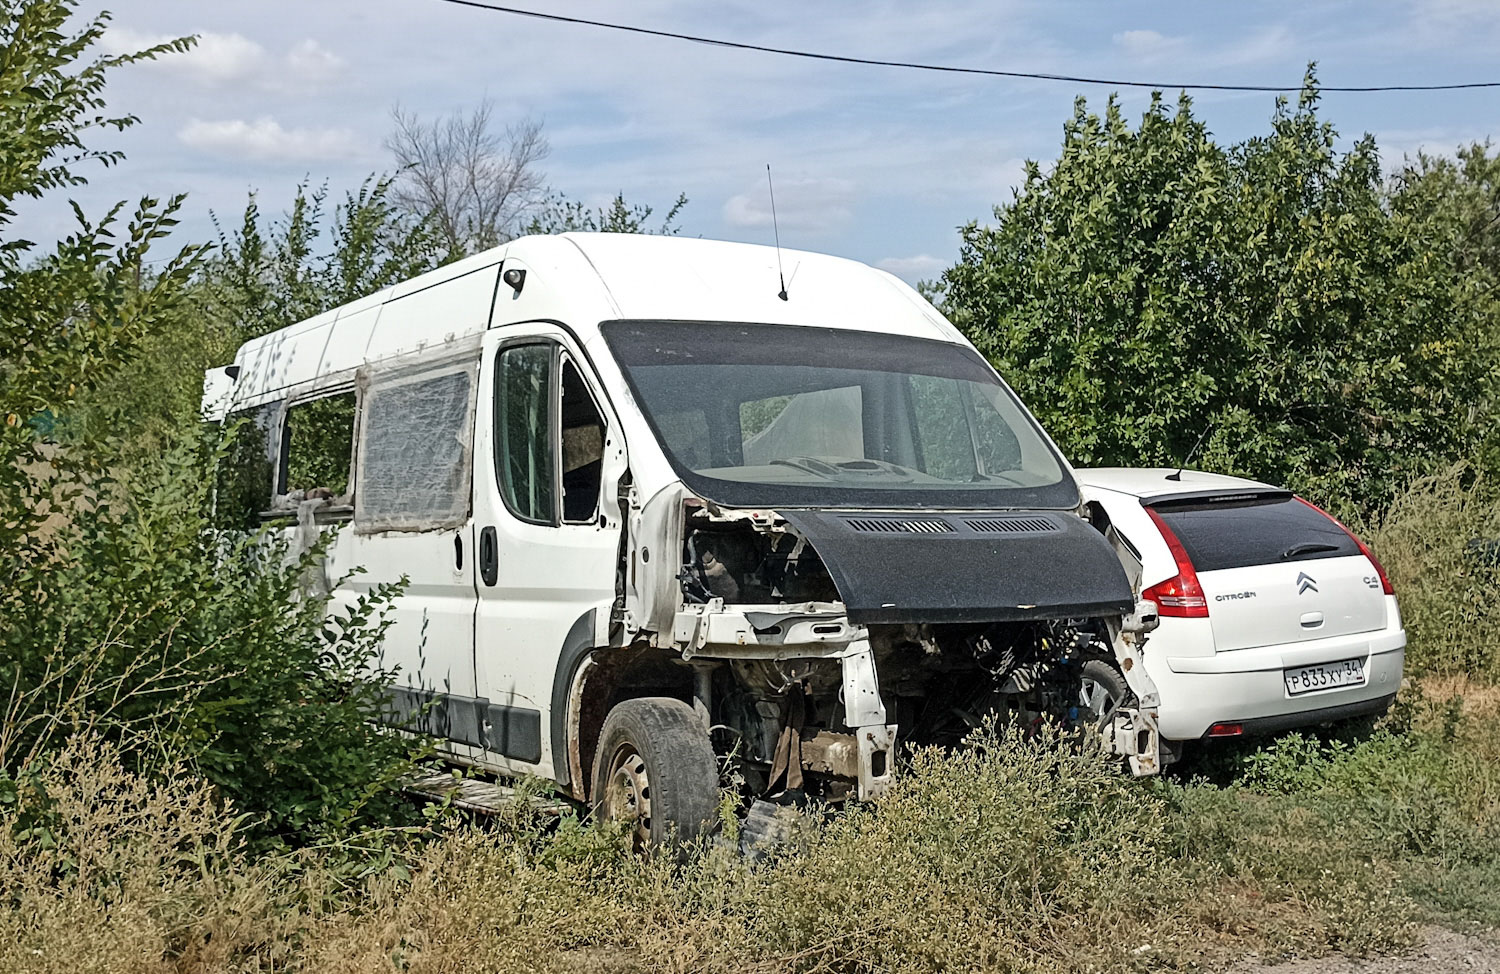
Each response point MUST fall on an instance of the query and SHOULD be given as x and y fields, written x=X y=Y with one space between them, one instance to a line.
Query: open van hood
x=967 y=566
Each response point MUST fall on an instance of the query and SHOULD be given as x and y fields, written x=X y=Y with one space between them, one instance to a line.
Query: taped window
x=416 y=441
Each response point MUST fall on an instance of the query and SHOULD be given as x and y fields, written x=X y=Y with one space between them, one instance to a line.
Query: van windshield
x=756 y=415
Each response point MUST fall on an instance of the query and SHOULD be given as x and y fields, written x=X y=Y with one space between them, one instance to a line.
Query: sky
x=875 y=163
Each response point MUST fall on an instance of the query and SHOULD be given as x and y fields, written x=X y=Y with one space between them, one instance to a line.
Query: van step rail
x=481 y=796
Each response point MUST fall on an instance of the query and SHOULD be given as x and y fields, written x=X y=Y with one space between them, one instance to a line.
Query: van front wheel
x=655 y=767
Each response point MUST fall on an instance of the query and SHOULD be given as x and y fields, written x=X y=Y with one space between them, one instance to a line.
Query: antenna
x=777 y=231
x=1191 y=453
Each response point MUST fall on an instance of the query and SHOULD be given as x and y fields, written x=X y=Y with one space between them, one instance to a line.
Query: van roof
x=582 y=279
x=657 y=277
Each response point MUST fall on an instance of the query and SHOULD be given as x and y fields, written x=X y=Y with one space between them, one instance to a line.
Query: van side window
x=414 y=457
x=961 y=424
x=948 y=448
x=523 y=448
x=582 y=448
x=317 y=444
x=242 y=480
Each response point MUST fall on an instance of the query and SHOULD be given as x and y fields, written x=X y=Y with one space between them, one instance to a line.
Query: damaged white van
x=655 y=510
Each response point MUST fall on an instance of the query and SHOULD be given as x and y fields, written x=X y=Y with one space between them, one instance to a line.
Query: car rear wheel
x=655 y=767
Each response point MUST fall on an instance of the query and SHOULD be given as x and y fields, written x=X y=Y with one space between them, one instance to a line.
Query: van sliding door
x=412 y=528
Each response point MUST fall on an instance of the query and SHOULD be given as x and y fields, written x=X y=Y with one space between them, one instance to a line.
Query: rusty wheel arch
x=605 y=678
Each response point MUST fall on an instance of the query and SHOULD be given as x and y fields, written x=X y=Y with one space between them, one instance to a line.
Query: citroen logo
x=1306 y=583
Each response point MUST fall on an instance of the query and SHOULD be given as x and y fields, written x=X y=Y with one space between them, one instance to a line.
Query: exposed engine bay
x=805 y=683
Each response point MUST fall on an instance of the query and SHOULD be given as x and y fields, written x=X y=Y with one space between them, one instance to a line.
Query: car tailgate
x=1265 y=605
x=1275 y=570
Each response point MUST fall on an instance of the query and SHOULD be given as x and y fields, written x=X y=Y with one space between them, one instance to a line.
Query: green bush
x=1413 y=808
x=180 y=642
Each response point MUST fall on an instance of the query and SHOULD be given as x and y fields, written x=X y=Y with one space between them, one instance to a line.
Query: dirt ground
x=1443 y=952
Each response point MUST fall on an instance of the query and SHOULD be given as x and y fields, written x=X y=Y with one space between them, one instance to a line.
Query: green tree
x=123 y=613
x=1455 y=204
x=268 y=274
x=71 y=316
x=559 y=214
x=1463 y=195
x=263 y=275
x=1154 y=285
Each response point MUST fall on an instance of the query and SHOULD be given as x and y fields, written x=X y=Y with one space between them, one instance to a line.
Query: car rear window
x=1241 y=532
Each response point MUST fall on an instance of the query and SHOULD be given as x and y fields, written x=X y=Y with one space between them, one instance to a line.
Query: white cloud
x=912 y=269
x=222 y=60
x=1464 y=23
x=215 y=59
x=1400 y=146
x=1148 y=45
x=311 y=61
x=802 y=203
x=265 y=139
x=1268 y=44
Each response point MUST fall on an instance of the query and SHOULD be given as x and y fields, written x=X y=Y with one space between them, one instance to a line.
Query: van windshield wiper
x=1307 y=548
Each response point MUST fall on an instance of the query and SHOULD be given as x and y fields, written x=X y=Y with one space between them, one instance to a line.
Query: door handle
x=489 y=556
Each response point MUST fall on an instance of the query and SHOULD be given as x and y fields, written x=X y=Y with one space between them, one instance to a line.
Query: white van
x=654 y=512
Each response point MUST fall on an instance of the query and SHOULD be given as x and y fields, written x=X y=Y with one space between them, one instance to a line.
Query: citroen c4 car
x=1273 y=615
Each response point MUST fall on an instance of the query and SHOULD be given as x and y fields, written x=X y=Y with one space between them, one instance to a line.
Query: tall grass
x=1440 y=543
x=102 y=870
x=1020 y=854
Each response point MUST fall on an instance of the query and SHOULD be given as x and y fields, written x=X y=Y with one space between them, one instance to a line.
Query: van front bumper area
x=1247 y=687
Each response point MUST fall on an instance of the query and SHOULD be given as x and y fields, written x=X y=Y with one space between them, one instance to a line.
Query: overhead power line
x=946 y=68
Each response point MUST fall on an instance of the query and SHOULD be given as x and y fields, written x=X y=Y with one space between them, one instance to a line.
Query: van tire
x=655 y=756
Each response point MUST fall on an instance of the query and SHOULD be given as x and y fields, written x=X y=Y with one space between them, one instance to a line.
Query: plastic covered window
x=416 y=438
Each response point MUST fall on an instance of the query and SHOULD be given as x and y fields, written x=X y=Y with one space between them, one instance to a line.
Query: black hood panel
x=969 y=566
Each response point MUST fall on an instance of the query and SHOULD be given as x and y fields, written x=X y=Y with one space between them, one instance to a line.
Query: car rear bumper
x=1246 y=686
x=1322 y=715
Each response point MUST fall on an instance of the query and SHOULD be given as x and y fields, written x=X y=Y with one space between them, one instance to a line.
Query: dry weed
x=104 y=871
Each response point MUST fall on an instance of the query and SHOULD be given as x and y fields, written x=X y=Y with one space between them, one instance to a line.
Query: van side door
x=549 y=458
x=412 y=527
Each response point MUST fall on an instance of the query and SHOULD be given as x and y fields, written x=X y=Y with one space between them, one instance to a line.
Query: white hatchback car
x=1273 y=615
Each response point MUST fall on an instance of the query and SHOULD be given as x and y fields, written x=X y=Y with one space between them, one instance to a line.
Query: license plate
x=1325 y=676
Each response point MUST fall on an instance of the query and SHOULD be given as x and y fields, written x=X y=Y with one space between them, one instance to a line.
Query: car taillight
x=1364 y=549
x=1181 y=596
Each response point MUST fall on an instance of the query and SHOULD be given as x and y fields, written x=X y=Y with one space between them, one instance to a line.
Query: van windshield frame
x=795 y=416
